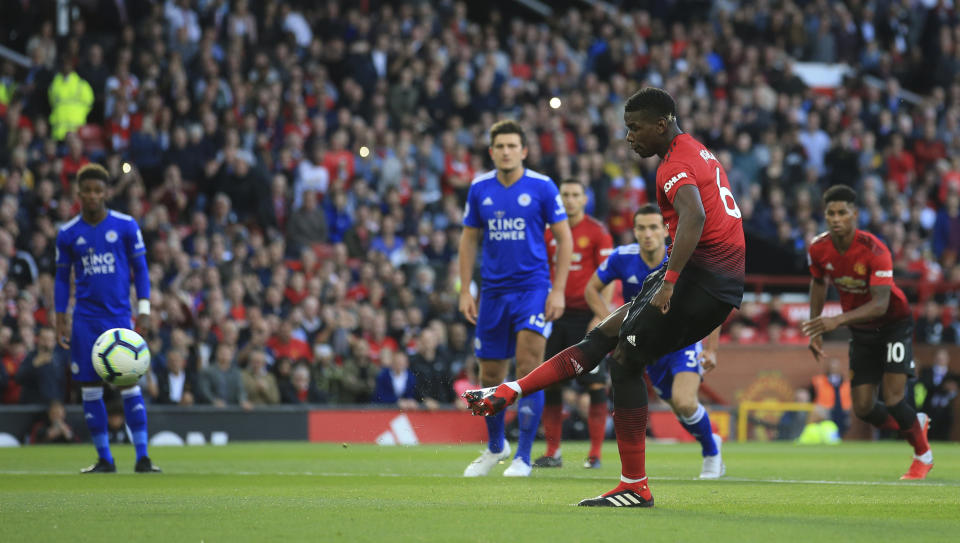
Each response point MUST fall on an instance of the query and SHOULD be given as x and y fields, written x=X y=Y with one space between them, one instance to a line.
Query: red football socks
x=631 y=427
x=559 y=367
x=552 y=427
x=597 y=424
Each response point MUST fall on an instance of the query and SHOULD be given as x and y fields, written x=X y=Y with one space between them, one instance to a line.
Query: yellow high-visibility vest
x=71 y=99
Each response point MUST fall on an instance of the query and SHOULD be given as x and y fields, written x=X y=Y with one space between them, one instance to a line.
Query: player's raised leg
x=570 y=362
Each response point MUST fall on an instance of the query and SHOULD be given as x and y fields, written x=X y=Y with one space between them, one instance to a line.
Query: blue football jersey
x=513 y=220
x=101 y=256
x=626 y=264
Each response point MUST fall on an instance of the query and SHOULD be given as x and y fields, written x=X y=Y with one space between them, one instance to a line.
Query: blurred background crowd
x=299 y=169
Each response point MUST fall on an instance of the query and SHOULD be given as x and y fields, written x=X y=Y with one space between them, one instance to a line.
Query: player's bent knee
x=892 y=397
x=595 y=345
x=685 y=407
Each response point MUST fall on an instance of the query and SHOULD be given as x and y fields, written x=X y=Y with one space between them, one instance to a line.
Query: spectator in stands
x=71 y=100
x=940 y=389
x=430 y=365
x=43 y=373
x=174 y=384
x=221 y=384
x=930 y=327
x=300 y=388
x=308 y=224
x=396 y=384
x=359 y=374
x=259 y=383
x=831 y=391
x=54 y=427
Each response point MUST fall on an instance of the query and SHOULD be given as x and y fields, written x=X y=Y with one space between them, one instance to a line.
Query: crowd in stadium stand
x=299 y=169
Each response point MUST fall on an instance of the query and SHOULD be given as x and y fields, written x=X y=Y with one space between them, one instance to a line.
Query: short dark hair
x=507 y=126
x=653 y=101
x=93 y=171
x=573 y=181
x=647 y=209
x=840 y=193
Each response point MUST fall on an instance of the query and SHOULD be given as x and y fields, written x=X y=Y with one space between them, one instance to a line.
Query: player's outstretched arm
x=466 y=259
x=691 y=218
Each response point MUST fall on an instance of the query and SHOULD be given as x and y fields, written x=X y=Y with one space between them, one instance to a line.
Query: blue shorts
x=86 y=330
x=662 y=371
x=502 y=315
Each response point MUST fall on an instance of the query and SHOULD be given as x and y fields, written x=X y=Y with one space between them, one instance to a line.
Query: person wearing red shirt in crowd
x=284 y=345
x=928 y=149
x=901 y=166
x=340 y=162
x=591 y=245
x=881 y=350
x=74 y=160
x=679 y=304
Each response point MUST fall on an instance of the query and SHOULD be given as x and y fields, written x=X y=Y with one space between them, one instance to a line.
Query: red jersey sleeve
x=673 y=175
x=813 y=263
x=881 y=268
x=603 y=245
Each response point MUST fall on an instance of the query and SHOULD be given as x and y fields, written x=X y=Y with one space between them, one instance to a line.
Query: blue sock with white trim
x=495 y=431
x=529 y=410
x=135 y=412
x=95 y=414
x=699 y=427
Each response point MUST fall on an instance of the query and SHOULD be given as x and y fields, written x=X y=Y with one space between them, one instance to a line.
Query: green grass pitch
x=327 y=492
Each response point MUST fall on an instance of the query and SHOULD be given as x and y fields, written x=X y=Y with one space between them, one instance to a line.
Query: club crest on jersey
x=707 y=156
x=673 y=181
x=583 y=242
x=524 y=199
x=111 y=236
x=860 y=268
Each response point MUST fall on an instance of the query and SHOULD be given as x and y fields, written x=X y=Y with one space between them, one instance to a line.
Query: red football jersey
x=592 y=244
x=866 y=263
x=718 y=261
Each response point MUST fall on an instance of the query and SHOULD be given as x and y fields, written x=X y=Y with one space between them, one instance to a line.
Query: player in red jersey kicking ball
x=679 y=304
x=877 y=312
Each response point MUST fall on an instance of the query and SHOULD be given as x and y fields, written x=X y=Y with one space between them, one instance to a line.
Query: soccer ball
x=120 y=356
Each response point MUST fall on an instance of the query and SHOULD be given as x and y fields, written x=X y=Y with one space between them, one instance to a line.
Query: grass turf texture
x=327 y=492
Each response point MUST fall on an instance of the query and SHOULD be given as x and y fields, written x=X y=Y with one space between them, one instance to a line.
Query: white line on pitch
x=455 y=476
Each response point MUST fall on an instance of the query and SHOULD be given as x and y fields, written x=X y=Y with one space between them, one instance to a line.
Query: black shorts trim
x=888 y=349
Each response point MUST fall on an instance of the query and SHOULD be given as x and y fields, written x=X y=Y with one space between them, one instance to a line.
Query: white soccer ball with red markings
x=120 y=356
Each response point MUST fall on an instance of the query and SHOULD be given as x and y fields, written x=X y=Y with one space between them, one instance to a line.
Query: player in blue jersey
x=100 y=246
x=507 y=211
x=676 y=376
